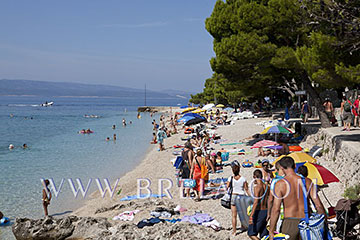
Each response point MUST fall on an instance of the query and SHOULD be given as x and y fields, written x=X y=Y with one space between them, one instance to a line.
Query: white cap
x=11 y=146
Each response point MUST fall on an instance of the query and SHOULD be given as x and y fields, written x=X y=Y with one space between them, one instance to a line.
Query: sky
x=160 y=43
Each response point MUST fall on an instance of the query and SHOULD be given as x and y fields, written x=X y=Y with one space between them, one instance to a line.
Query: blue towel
x=133 y=197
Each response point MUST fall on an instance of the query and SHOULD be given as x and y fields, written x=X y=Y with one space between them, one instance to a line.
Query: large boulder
x=43 y=229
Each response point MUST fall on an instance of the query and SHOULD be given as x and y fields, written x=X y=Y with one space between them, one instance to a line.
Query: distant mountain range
x=62 y=89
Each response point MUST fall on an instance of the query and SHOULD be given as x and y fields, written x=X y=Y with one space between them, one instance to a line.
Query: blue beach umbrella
x=186 y=118
x=192 y=115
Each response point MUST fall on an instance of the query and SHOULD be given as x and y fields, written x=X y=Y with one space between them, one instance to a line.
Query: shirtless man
x=290 y=193
x=329 y=109
x=258 y=216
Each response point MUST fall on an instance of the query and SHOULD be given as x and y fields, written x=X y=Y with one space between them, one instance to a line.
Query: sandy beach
x=156 y=165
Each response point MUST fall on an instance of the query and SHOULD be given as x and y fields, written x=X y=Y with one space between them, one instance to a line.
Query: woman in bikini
x=46 y=196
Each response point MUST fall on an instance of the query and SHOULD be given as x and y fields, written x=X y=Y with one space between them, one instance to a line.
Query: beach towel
x=197 y=218
x=149 y=222
x=126 y=216
x=143 y=196
x=242 y=203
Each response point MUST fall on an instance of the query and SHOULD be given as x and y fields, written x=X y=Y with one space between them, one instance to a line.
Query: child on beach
x=154 y=140
x=46 y=196
x=258 y=216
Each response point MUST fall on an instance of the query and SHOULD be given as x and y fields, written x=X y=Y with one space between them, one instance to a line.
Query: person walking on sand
x=239 y=202
x=305 y=111
x=329 y=108
x=356 y=111
x=289 y=193
x=266 y=172
x=188 y=155
x=196 y=173
x=258 y=216
x=346 y=113
x=46 y=196
x=161 y=135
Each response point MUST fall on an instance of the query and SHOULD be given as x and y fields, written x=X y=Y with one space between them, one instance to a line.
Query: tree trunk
x=325 y=121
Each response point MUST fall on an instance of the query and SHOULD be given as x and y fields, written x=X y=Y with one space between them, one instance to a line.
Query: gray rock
x=47 y=228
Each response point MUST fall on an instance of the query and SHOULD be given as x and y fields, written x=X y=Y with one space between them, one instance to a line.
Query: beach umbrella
x=276 y=129
x=198 y=111
x=320 y=174
x=192 y=115
x=194 y=121
x=229 y=109
x=189 y=109
x=208 y=106
x=185 y=118
x=274 y=147
x=264 y=143
x=298 y=157
x=186 y=106
x=220 y=106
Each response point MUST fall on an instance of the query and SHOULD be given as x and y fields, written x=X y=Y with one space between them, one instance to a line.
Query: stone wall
x=340 y=154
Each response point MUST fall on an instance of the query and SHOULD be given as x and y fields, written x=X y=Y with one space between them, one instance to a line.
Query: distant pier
x=165 y=109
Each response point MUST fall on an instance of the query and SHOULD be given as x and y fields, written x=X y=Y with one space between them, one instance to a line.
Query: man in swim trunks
x=289 y=192
x=257 y=218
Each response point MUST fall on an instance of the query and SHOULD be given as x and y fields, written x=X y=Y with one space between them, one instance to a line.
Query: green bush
x=352 y=193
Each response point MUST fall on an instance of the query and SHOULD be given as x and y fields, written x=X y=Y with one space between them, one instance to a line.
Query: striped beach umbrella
x=276 y=129
x=318 y=174
x=299 y=157
x=264 y=143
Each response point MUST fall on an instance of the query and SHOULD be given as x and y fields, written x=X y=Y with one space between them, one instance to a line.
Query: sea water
x=56 y=150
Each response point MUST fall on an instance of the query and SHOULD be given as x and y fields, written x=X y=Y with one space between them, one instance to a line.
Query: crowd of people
x=273 y=192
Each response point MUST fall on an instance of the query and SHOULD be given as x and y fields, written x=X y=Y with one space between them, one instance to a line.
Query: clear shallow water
x=56 y=150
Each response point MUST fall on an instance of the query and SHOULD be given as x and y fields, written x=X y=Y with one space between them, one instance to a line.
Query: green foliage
x=352 y=193
x=260 y=43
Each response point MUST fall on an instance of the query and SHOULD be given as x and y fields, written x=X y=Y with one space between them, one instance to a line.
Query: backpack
x=347 y=106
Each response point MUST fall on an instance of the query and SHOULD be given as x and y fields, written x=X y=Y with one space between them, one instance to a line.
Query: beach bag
x=189 y=183
x=347 y=106
x=225 y=156
x=225 y=201
x=313 y=226
x=204 y=170
x=178 y=162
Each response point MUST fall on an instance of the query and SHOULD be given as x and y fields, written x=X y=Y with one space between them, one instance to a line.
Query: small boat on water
x=47 y=104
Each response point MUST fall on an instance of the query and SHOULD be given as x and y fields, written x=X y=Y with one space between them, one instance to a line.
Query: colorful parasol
x=264 y=143
x=276 y=129
x=318 y=174
x=298 y=157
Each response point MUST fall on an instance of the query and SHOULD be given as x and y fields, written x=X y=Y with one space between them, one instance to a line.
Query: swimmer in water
x=107 y=139
x=113 y=127
x=11 y=146
x=114 y=137
x=25 y=146
x=124 y=122
x=130 y=122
